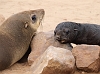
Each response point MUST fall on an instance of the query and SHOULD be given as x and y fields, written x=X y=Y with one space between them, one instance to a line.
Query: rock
x=41 y=42
x=54 y=60
x=2 y=18
x=87 y=57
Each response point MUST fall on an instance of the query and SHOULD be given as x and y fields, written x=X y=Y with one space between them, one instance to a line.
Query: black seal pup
x=78 y=33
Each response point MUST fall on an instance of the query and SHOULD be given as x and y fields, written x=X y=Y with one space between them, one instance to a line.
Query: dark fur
x=78 y=33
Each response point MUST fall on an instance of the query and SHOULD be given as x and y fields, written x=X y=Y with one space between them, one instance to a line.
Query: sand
x=86 y=11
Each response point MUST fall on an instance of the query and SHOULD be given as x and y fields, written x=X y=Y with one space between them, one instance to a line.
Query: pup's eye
x=34 y=17
x=67 y=32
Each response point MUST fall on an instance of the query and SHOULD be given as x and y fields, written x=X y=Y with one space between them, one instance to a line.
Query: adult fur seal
x=78 y=33
x=15 y=35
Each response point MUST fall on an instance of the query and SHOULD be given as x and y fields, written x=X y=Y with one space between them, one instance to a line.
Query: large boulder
x=41 y=42
x=87 y=57
x=54 y=60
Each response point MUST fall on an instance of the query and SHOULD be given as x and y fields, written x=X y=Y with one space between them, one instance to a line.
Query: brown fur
x=15 y=35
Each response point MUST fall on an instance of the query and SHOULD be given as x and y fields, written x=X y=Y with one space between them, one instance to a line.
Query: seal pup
x=78 y=33
x=15 y=35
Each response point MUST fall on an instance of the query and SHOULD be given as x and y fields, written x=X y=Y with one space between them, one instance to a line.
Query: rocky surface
x=87 y=57
x=41 y=42
x=85 y=11
x=54 y=60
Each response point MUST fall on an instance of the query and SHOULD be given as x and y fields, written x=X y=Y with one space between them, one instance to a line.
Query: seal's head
x=31 y=18
x=66 y=32
x=36 y=17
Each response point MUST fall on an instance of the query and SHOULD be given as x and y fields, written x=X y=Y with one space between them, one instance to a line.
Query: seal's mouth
x=41 y=19
x=42 y=13
x=63 y=41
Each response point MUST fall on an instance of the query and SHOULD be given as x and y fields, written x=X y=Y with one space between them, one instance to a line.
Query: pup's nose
x=57 y=37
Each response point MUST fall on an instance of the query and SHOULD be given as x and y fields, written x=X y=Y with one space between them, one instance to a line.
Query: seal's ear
x=26 y=25
x=75 y=29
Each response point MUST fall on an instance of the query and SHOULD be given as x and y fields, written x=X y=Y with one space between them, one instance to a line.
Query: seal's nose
x=41 y=11
x=57 y=37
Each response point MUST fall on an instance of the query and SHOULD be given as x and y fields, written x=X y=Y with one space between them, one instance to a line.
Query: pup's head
x=65 y=32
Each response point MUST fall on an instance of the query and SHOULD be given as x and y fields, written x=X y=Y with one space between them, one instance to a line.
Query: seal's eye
x=67 y=32
x=34 y=17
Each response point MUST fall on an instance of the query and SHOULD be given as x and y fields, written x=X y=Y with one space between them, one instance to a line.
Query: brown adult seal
x=15 y=35
x=78 y=33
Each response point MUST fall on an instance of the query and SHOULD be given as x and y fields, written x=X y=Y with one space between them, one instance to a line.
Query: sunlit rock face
x=54 y=60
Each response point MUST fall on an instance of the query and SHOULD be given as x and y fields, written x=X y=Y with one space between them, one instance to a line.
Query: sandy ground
x=57 y=11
